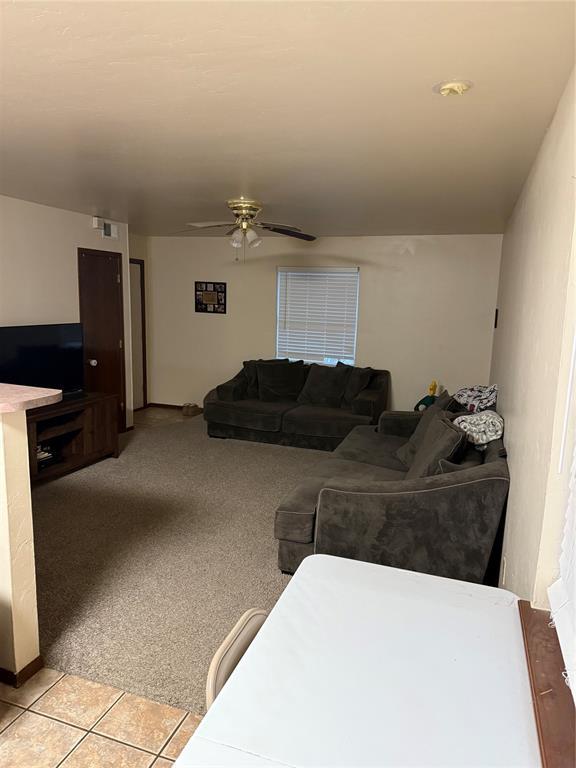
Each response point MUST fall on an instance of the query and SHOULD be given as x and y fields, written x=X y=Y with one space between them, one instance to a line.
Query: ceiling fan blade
x=273 y=224
x=192 y=232
x=182 y=232
x=208 y=224
x=290 y=233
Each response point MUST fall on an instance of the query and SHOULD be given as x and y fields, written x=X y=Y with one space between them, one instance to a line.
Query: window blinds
x=317 y=314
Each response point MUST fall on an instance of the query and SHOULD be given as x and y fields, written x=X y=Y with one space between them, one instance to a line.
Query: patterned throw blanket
x=478 y=398
x=481 y=428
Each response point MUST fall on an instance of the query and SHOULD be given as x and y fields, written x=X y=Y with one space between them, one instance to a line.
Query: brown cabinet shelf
x=64 y=429
x=74 y=433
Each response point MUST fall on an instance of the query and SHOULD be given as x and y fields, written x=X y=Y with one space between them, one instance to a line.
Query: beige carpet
x=145 y=562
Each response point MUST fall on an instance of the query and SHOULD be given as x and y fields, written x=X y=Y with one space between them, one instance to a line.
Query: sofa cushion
x=235 y=389
x=252 y=374
x=369 y=446
x=443 y=440
x=296 y=513
x=407 y=452
x=335 y=468
x=280 y=383
x=494 y=450
x=252 y=414
x=445 y=466
x=358 y=380
x=325 y=385
x=443 y=399
x=470 y=458
x=318 y=421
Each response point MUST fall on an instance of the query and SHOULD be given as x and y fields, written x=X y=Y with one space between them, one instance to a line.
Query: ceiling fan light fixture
x=245 y=227
x=252 y=237
x=237 y=238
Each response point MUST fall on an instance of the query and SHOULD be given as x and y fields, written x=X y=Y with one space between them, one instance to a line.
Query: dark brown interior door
x=102 y=318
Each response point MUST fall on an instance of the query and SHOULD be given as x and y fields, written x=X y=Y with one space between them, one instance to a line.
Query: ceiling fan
x=243 y=229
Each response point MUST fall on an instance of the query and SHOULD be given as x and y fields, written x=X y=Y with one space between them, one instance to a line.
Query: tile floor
x=56 y=720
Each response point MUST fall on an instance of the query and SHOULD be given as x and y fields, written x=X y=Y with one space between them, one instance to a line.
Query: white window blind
x=317 y=314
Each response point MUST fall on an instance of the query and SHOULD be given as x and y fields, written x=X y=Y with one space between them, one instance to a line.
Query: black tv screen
x=43 y=356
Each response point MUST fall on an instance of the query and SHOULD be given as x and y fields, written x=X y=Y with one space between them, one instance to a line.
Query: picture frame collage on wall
x=210 y=297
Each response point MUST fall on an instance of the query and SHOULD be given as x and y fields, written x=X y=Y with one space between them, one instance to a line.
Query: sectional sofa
x=409 y=493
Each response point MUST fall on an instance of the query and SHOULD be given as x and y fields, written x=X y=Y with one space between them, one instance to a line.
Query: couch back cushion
x=325 y=386
x=280 y=383
x=358 y=380
x=443 y=400
x=407 y=451
x=470 y=458
x=494 y=451
x=442 y=440
x=251 y=374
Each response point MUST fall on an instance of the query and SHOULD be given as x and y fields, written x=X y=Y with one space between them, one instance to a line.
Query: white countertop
x=363 y=665
x=14 y=397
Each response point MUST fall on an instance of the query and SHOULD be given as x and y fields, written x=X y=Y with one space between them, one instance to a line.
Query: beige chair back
x=231 y=651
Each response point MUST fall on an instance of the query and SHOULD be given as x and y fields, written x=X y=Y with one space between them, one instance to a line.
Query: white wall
x=531 y=358
x=426 y=308
x=137 y=335
x=39 y=268
x=138 y=246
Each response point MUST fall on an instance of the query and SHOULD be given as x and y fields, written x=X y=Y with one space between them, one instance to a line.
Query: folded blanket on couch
x=478 y=398
x=481 y=428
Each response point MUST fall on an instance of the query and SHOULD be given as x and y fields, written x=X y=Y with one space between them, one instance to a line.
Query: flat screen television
x=43 y=356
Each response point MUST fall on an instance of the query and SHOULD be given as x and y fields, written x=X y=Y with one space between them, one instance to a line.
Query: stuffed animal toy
x=428 y=399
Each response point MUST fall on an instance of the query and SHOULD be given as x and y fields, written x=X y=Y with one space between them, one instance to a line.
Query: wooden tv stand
x=76 y=432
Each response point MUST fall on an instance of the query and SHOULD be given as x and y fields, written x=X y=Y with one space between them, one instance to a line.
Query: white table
x=363 y=665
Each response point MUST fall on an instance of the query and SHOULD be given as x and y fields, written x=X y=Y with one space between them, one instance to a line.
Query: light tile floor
x=58 y=720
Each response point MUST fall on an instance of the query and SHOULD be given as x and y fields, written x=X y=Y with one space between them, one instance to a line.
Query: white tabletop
x=363 y=665
x=209 y=754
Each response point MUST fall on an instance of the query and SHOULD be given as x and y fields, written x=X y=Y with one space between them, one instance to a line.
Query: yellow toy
x=429 y=399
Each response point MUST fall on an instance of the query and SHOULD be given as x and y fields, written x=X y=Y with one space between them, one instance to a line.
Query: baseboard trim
x=199 y=410
x=163 y=405
x=16 y=679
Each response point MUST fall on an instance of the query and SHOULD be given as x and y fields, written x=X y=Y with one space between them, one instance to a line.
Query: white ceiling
x=157 y=112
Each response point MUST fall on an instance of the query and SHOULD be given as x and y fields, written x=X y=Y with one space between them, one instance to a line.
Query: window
x=317 y=314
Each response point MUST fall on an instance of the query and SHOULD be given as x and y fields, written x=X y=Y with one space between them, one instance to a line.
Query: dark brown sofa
x=362 y=502
x=235 y=409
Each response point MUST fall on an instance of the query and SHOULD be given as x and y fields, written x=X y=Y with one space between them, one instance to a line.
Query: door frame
x=142 y=264
x=93 y=252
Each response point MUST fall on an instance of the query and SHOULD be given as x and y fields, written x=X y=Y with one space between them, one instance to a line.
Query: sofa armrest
x=443 y=525
x=235 y=389
x=370 y=402
x=399 y=423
